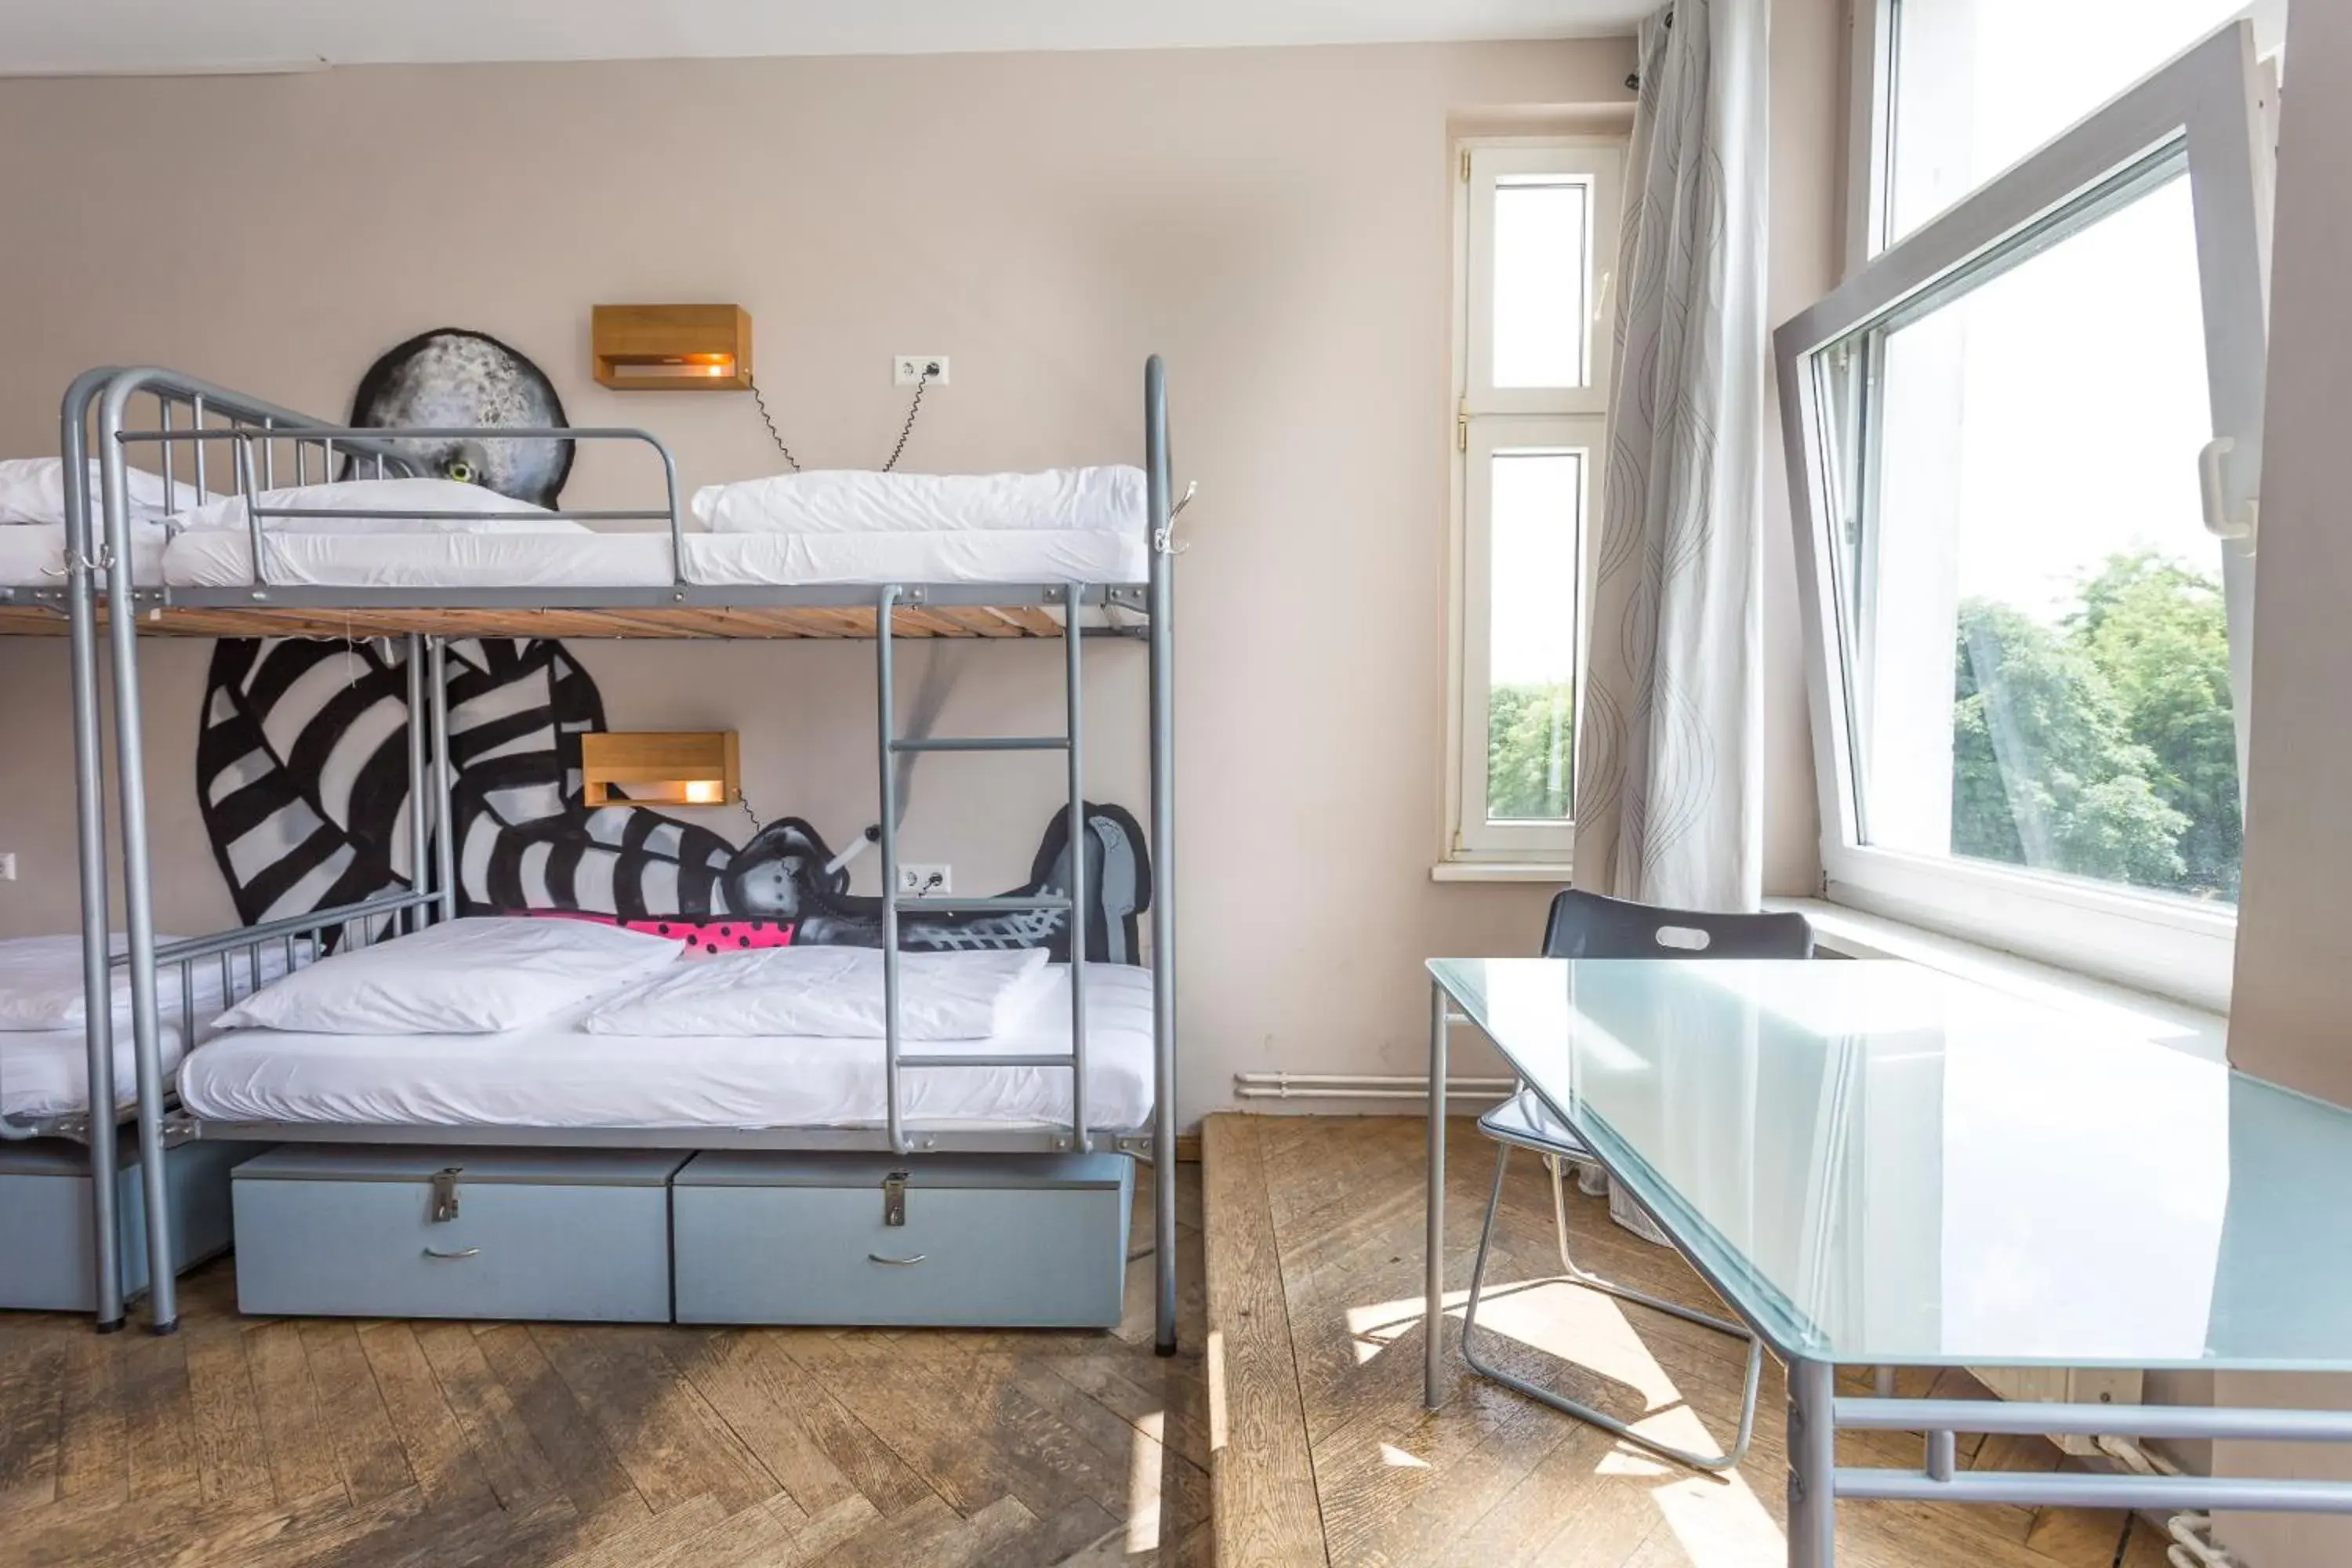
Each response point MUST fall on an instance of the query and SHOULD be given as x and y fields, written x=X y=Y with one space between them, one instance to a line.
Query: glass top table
x=1877 y=1164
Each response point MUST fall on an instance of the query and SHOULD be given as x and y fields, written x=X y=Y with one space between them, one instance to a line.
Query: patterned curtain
x=1668 y=790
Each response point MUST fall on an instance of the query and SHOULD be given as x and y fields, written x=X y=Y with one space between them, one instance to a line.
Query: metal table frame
x=1817 y=1412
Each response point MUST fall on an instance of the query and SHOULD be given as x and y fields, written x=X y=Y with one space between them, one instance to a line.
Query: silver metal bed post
x=886 y=722
x=420 y=837
x=1081 y=833
x=90 y=822
x=1163 y=850
x=444 y=780
x=138 y=874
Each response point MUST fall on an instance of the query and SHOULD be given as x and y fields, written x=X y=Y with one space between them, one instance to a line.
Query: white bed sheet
x=223 y=558
x=33 y=554
x=46 y=1072
x=556 y=1075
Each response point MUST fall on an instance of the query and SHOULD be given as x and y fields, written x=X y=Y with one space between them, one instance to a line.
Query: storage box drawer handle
x=897 y=1262
x=461 y=1252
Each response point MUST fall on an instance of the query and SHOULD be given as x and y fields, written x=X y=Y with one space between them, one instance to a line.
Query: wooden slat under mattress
x=937 y=621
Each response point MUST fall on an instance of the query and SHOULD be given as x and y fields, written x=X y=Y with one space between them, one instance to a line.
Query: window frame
x=1873 y=35
x=1487 y=419
x=2210 y=100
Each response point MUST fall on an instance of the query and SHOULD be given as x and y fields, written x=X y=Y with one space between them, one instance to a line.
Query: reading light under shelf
x=672 y=767
x=672 y=348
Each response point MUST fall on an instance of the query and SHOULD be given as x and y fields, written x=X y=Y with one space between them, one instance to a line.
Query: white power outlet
x=906 y=369
x=925 y=881
x=8 y=867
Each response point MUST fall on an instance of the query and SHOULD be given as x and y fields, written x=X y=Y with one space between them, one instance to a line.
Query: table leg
x=1440 y=1008
x=1812 y=1465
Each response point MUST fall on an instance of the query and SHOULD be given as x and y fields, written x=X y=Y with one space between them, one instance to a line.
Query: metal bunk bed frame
x=254 y=431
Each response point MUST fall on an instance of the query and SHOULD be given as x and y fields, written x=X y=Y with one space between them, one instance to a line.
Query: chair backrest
x=1587 y=925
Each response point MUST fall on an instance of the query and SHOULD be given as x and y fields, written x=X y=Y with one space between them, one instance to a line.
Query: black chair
x=1586 y=925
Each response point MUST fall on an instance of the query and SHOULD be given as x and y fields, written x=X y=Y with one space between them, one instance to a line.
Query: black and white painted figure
x=302 y=775
x=781 y=874
x=451 y=377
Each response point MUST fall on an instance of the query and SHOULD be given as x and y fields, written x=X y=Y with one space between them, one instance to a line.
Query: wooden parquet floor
x=272 y=1443
x=1323 y=1455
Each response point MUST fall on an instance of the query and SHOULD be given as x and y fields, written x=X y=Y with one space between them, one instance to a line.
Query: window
x=2028 y=443
x=1537 y=246
x=1969 y=86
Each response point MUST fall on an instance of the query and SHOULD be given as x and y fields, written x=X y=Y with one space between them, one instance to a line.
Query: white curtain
x=1669 y=791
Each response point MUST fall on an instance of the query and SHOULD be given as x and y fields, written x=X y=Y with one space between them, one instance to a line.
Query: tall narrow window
x=1538 y=227
x=2029 y=442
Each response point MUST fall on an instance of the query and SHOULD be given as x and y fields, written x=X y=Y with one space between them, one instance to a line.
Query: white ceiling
x=104 y=36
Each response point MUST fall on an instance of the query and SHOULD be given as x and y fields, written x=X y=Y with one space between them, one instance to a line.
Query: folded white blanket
x=857 y=500
x=41 y=982
x=832 y=992
x=33 y=491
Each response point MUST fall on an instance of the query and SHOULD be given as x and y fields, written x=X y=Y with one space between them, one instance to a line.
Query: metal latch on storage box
x=445 y=1195
x=894 y=1198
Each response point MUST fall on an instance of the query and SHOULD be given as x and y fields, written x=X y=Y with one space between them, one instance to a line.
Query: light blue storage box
x=981 y=1241
x=48 y=1254
x=339 y=1230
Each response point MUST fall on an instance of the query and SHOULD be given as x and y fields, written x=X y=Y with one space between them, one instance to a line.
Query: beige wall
x=1273 y=221
x=2294 y=990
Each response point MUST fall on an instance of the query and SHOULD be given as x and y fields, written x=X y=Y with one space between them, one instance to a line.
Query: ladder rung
x=986 y=743
x=950 y=906
x=987 y=1061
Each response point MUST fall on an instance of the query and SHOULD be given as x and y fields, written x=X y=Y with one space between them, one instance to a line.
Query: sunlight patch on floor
x=1396 y=1459
x=1145 y=1459
x=1375 y=1328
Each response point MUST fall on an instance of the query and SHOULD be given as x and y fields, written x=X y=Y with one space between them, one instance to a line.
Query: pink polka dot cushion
x=702 y=938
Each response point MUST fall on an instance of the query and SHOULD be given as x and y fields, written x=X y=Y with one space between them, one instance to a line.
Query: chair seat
x=1524 y=1122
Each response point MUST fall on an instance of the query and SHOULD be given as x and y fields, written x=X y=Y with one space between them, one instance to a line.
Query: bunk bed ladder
x=1071 y=900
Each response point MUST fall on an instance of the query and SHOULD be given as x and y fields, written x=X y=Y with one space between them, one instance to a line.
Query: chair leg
x=1578 y=1276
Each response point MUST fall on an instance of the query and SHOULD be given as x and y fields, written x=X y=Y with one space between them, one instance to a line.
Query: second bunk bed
x=555 y=1132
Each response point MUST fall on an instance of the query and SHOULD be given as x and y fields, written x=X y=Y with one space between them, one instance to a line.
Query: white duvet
x=41 y=983
x=834 y=992
x=858 y=500
x=46 y=1072
x=33 y=491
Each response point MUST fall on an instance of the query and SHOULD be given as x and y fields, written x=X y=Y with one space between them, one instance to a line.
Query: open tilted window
x=2027 y=443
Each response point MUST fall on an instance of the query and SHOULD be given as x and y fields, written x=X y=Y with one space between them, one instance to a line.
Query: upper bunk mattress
x=555 y=1075
x=33 y=554
x=223 y=558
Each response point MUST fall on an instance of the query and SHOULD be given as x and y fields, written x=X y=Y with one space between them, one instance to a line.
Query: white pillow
x=33 y=491
x=383 y=506
x=832 y=993
x=475 y=976
x=857 y=500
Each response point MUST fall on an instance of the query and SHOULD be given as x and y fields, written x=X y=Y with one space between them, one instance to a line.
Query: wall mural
x=302 y=758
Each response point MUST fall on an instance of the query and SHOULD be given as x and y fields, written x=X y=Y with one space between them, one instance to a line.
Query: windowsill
x=1852 y=933
x=1548 y=873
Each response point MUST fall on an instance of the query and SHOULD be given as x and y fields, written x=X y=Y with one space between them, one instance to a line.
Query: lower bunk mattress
x=46 y=1072
x=555 y=1075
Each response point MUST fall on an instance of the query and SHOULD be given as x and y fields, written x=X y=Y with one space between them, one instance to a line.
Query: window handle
x=2220 y=521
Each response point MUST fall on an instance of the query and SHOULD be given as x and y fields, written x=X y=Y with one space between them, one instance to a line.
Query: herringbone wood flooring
x=272 y=1443
x=1315 y=1277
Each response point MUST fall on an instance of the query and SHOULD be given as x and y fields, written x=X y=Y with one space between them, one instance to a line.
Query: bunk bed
x=1113 y=1058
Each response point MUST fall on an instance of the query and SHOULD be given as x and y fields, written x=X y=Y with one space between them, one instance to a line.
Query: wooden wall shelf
x=672 y=348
